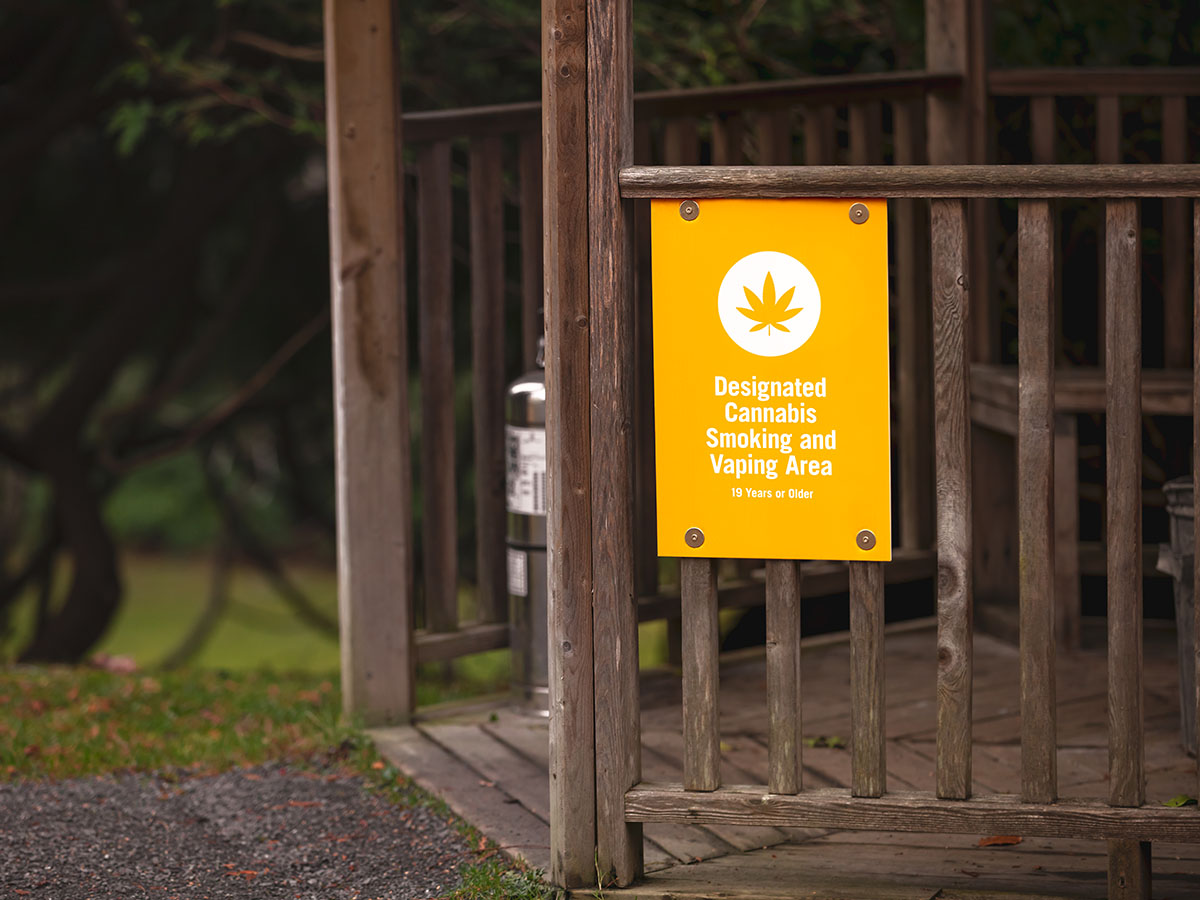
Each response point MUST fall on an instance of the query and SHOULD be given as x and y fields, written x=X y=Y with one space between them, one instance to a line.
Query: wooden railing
x=1122 y=817
x=483 y=165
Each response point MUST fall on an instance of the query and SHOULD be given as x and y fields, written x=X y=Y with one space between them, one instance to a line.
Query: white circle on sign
x=769 y=303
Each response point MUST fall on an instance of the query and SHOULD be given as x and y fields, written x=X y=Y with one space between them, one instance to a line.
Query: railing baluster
x=728 y=131
x=1035 y=455
x=1042 y=128
x=820 y=139
x=487 y=362
x=681 y=143
x=784 y=715
x=1175 y=240
x=646 y=512
x=1196 y=456
x=866 y=133
x=529 y=177
x=773 y=134
x=867 y=697
x=435 y=293
x=701 y=727
x=1108 y=150
x=913 y=359
x=952 y=450
x=1129 y=861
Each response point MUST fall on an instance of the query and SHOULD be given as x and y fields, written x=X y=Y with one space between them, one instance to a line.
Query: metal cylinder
x=525 y=482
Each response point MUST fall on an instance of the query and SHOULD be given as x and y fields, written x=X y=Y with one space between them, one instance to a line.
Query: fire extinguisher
x=525 y=482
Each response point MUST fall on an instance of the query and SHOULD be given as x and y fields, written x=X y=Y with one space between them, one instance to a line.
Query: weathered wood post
x=595 y=743
x=568 y=447
x=366 y=226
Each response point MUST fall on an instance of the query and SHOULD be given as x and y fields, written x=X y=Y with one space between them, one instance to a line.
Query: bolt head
x=689 y=210
x=693 y=537
x=859 y=213
x=865 y=539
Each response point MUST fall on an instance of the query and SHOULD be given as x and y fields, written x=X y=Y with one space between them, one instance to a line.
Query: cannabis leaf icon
x=769 y=312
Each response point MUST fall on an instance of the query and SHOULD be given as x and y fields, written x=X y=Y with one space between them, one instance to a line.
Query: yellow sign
x=771 y=378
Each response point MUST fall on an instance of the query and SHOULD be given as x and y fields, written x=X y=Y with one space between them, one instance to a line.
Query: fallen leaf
x=999 y=840
x=377 y=765
x=1180 y=800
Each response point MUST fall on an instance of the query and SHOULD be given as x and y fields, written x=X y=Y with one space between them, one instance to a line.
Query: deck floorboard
x=489 y=763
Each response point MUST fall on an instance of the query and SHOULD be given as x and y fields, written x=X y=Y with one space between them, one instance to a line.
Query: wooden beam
x=909 y=811
x=568 y=446
x=868 y=705
x=435 y=314
x=1035 y=490
x=953 y=451
x=1015 y=182
x=614 y=594
x=370 y=368
x=785 y=747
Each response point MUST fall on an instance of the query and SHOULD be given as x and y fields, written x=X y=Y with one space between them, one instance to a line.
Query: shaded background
x=165 y=390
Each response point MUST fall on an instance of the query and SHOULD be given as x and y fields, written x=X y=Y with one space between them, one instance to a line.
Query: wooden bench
x=1077 y=391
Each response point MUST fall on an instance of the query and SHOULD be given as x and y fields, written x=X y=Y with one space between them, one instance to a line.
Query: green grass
x=68 y=722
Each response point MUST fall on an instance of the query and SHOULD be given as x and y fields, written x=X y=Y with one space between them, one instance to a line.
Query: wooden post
x=614 y=597
x=957 y=40
x=568 y=447
x=366 y=225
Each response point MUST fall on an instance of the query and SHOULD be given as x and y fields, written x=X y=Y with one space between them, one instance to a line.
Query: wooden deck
x=490 y=765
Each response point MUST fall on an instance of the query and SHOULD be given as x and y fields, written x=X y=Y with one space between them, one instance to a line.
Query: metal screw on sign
x=859 y=214
x=865 y=539
x=689 y=210
x=693 y=537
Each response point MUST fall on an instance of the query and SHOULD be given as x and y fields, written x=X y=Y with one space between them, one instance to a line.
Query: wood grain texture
x=529 y=178
x=1081 y=389
x=914 y=336
x=908 y=811
x=1176 y=240
x=370 y=370
x=610 y=290
x=785 y=733
x=568 y=444
x=1108 y=152
x=1035 y=467
x=1196 y=451
x=952 y=439
x=487 y=373
x=1063 y=81
x=646 y=504
x=1128 y=870
x=1068 y=599
x=701 y=637
x=1015 y=182
x=435 y=293
x=868 y=702
x=947 y=49
x=442 y=646
x=1126 y=746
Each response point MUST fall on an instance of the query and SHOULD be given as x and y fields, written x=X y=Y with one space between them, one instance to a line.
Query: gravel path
x=260 y=833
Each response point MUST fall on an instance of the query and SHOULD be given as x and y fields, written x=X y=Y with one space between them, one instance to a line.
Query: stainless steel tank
x=525 y=482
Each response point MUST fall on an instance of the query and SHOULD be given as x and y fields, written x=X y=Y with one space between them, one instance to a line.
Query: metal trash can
x=1177 y=559
x=525 y=482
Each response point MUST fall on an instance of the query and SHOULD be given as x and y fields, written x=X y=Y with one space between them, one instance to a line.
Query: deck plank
x=490 y=765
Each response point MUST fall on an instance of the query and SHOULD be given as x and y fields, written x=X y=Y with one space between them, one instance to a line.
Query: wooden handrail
x=1045 y=181
x=1174 y=81
x=437 y=125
